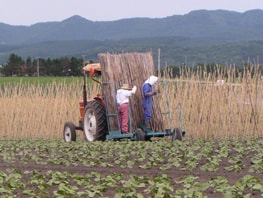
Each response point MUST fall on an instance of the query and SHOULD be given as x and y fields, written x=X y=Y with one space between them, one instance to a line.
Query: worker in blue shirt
x=147 y=103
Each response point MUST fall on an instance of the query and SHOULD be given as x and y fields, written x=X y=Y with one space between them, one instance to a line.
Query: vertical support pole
x=130 y=120
x=38 y=67
x=168 y=104
x=159 y=55
x=180 y=116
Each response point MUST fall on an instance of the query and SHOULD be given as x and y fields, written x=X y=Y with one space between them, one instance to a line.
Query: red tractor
x=92 y=113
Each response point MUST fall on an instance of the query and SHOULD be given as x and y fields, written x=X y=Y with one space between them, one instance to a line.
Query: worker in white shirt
x=122 y=97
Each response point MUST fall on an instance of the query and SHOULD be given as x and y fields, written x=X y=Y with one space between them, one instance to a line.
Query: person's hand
x=134 y=89
x=154 y=93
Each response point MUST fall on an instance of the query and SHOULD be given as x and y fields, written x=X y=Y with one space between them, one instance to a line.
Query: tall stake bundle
x=134 y=69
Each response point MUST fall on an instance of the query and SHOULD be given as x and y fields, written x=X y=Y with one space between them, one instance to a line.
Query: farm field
x=38 y=108
x=222 y=155
x=161 y=168
x=38 y=80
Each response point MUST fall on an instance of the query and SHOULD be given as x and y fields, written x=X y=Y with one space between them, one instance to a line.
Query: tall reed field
x=39 y=109
x=224 y=103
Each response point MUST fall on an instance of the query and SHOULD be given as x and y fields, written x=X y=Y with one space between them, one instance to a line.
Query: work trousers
x=123 y=111
x=147 y=108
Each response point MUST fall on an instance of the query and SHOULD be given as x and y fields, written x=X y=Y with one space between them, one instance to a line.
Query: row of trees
x=17 y=66
x=65 y=66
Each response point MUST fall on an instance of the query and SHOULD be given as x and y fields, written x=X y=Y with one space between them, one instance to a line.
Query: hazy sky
x=28 y=12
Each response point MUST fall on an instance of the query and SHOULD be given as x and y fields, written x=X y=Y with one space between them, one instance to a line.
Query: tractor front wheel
x=69 y=132
x=94 y=123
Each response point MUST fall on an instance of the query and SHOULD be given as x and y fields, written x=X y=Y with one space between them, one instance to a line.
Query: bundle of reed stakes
x=134 y=69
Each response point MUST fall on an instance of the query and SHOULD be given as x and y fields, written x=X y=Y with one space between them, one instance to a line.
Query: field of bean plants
x=221 y=156
x=161 y=168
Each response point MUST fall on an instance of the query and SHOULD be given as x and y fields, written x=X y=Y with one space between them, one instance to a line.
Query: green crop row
x=233 y=156
x=35 y=183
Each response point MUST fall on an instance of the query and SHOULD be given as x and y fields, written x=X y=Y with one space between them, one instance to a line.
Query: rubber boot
x=147 y=124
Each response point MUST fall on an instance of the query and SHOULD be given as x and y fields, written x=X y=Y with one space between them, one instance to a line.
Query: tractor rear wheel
x=69 y=132
x=94 y=122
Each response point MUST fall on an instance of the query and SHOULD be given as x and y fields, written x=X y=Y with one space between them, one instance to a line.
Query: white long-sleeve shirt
x=123 y=95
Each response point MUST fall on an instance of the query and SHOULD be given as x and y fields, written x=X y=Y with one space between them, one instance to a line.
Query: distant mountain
x=77 y=35
x=202 y=23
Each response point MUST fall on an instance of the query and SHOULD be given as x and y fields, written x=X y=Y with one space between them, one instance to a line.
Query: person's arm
x=147 y=90
x=150 y=93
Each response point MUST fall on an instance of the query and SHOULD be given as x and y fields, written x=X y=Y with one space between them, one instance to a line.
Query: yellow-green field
x=210 y=109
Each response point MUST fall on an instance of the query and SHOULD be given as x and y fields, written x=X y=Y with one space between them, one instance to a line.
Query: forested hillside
x=201 y=36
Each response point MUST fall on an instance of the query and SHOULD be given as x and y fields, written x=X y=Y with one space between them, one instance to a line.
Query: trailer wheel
x=177 y=134
x=94 y=123
x=139 y=135
x=69 y=132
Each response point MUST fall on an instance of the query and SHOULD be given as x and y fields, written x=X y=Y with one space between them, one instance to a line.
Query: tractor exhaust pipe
x=84 y=90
